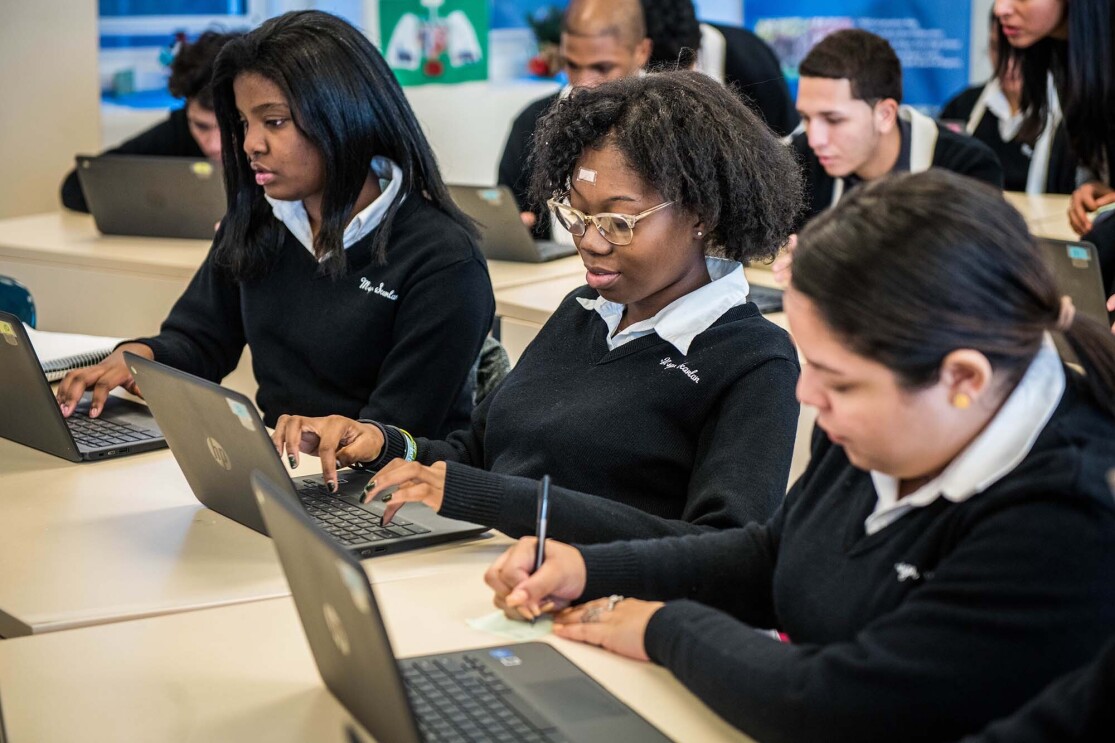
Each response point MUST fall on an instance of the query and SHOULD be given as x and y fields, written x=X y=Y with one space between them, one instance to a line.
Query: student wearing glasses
x=657 y=397
x=950 y=549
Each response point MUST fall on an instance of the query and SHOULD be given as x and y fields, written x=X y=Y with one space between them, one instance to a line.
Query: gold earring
x=961 y=401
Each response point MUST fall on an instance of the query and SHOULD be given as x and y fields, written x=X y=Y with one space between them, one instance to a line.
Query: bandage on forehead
x=587 y=175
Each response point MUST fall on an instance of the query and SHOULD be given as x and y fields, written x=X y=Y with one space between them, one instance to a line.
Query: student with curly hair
x=657 y=397
x=950 y=549
x=342 y=262
x=190 y=131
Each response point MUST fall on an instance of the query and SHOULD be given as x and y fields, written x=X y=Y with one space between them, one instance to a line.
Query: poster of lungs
x=435 y=41
x=931 y=38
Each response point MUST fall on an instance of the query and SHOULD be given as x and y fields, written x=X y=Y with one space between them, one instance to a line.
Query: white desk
x=245 y=672
x=1046 y=214
x=106 y=541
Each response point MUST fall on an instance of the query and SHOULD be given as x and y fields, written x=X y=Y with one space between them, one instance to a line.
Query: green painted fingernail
x=290 y=458
x=387 y=498
x=371 y=484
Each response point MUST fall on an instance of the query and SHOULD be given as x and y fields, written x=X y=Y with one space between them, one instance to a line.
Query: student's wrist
x=139 y=349
x=395 y=443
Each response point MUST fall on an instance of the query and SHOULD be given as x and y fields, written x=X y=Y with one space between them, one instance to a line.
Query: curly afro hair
x=694 y=141
x=191 y=72
x=673 y=27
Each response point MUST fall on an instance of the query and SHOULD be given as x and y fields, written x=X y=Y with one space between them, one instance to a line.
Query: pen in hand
x=541 y=520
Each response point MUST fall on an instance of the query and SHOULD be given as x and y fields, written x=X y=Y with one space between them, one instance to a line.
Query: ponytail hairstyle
x=911 y=267
x=346 y=101
x=1083 y=70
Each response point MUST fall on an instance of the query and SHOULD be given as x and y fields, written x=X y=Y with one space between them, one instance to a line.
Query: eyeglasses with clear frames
x=618 y=229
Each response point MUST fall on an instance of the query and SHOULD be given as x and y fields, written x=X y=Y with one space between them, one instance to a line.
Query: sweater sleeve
x=165 y=138
x=1076 y=709
x=738 y=477
x=990 y=623
x=437 y=339
x=204 y=333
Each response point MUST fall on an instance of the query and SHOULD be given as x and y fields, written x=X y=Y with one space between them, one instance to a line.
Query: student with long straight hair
x=657 y=397
x=1074 y=44
x=949 y=550
x=342 y=261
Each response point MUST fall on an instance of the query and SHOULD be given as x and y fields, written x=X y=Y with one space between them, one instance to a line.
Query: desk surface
x=245 y=672
x=71 y=239
x=125 y=538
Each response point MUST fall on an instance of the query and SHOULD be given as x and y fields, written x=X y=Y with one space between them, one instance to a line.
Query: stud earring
x=961 y=401
x=700 y=234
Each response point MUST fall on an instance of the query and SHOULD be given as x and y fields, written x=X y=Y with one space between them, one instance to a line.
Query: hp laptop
x=523 y=692
x=31 y=415
x=153 y=196
x=503 y=236
x=1077 y=270
x=217 y=437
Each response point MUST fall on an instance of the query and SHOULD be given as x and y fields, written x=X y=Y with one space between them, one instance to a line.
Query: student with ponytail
x=949 y=550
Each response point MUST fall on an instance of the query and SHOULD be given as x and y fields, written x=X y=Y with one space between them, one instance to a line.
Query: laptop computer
x=517 y=692
x=503 y=236
x=153 y=196
x=32 y=417
x=218 y=439
x=1076 y=268
x=766 y=298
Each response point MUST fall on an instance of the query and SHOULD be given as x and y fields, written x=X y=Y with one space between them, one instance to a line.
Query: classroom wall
x=49 y=103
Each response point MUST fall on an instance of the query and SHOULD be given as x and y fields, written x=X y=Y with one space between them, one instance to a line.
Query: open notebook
x=60 y=352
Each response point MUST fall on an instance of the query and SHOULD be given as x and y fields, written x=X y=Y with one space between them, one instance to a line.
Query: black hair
x=191 y=72
x=911 y=267
x=868 y=62
x=691 y=139
x=1083 y=70
x=675 y=32
x=346 y=101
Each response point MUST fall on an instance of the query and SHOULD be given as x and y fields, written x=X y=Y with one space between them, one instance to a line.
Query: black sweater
x=1013 y=156
x=661 y=451
x=395 y=342
x=752 y=69
x=1079 y=708
x=169 y=138
x=956 y=152
x=514 y=171
x=996 y=596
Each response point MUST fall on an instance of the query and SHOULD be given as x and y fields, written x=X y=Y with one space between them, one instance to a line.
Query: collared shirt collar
x=998 y=449
x=686 y=317
x=293 y=214
x=1009 y=121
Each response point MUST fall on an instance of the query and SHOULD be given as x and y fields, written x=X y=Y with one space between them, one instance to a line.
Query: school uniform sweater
x=949 y=617
x=930 y=146
x=1016 y=157
x=514 y=168
x=640 y=441
x=1078 y=708
x=169 y=138
x=394 y=342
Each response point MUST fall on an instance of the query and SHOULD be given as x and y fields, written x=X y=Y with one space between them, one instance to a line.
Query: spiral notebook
x=60 y=352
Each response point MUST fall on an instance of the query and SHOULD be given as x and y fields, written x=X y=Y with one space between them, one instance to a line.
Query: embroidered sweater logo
x=370 y=289
x=668 y=363
x=906 y=572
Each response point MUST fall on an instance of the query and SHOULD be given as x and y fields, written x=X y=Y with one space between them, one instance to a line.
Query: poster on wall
x=931 y=39
x=435 y=41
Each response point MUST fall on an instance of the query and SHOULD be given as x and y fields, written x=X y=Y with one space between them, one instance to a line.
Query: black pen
x=541 y=520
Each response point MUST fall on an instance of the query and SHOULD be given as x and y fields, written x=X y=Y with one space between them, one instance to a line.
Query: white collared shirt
x=686 y=317
x=293 y=214
x=998 y=449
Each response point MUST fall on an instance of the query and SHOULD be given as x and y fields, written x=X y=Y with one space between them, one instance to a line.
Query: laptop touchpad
x=578 y=699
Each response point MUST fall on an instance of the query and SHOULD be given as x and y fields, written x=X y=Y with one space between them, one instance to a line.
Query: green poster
x=435 y=41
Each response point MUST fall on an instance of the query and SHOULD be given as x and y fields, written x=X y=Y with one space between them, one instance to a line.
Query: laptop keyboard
x=95 y=433
x=461 y=699
x=347 y=522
